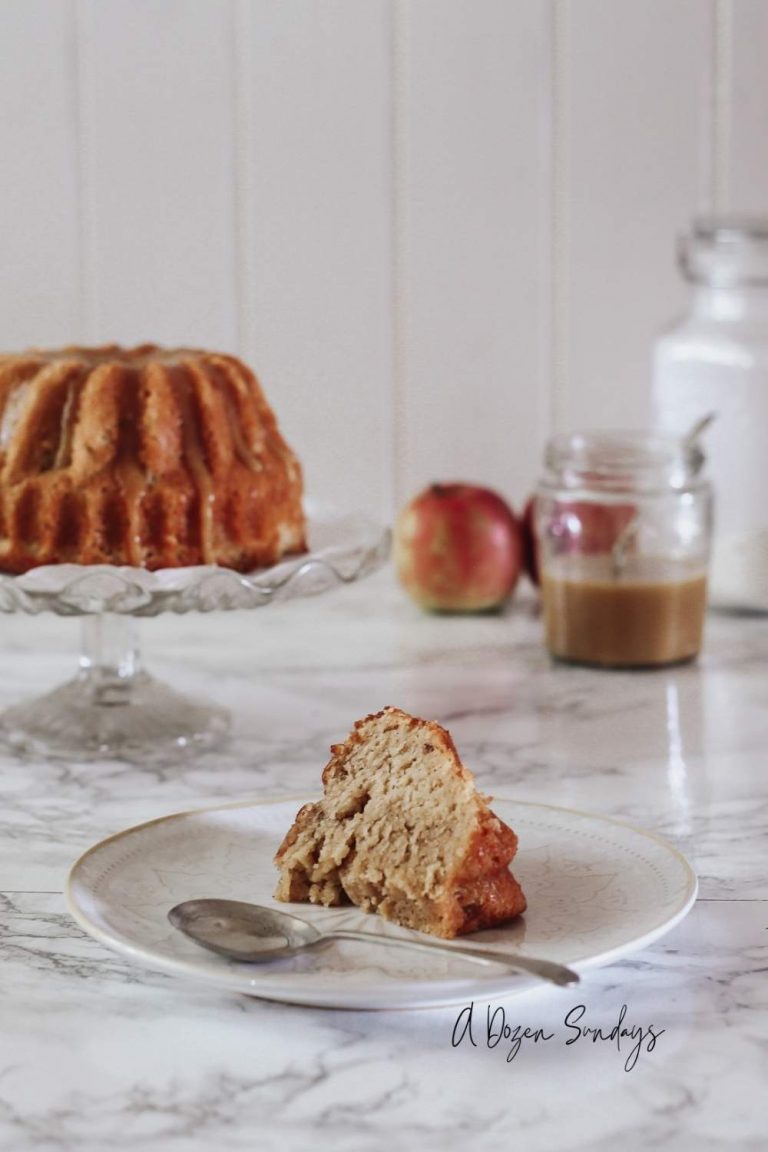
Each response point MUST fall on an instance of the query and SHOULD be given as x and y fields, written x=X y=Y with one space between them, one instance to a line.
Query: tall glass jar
x=715 y=359
x=623 y=521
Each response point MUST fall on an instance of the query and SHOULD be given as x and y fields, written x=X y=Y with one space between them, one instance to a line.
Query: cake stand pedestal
x=112 y=708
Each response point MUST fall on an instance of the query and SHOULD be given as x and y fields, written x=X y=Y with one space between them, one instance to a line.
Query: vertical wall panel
x=156 y=90
x=315 y=202
x=638 y=166
x=748 y=136
x=475 y=241
x=39 y=271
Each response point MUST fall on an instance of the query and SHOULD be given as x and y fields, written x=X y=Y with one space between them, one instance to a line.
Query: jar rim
x=730 y=227
x=725 y=251
x=624 y=460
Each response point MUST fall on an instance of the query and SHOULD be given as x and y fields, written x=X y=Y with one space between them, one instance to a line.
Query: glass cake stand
x=113 y=708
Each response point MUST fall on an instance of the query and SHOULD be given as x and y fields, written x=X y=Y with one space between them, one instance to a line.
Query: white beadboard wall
x=438 y=229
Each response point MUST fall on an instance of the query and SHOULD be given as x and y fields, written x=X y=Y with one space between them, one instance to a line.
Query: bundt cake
x=145 y=456
x=402 y=831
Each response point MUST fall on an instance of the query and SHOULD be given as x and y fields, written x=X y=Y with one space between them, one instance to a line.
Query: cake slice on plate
x=401 y=830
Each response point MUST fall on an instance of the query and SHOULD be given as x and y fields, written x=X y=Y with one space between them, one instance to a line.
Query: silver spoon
x=252 y=933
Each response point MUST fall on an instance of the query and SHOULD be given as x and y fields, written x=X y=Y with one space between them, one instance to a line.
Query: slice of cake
x=402 y=831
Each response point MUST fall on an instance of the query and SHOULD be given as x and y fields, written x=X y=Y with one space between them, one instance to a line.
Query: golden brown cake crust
x=143 y=456
x=402 y=831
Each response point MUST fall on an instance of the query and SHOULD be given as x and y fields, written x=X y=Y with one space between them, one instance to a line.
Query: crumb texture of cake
x=150 y=457
x=401 y=830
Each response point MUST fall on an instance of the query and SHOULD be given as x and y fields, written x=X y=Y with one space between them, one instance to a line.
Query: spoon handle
x=544 y=969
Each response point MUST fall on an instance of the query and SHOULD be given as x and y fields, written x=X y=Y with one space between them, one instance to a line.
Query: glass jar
x=715 y=359
x=623 y=522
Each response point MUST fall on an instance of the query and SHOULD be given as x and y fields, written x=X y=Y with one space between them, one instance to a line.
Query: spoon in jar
x=629 y=531
x=254 y=934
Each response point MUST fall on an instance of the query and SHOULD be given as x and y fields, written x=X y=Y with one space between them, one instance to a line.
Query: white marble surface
x=98 y=1053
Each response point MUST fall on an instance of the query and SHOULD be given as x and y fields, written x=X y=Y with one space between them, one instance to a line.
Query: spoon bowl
x=254 y=934
x=243 y=931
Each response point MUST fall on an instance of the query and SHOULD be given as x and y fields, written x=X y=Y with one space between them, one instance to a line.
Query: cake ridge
x=193 y=455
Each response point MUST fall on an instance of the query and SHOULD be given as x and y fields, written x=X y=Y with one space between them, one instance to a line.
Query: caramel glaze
x=148 y=457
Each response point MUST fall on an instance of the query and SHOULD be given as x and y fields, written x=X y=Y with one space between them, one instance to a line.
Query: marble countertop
x=97 y=1053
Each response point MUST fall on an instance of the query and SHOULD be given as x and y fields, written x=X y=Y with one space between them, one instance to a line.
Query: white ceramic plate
x=596 y=890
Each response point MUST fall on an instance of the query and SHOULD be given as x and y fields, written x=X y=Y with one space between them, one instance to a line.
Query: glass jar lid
x=725 y=251
x=631 y=461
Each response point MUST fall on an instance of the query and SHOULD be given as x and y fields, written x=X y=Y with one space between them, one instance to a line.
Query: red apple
x=458 y=548
x=591 y=529
x=577 y=526
x=530 y=542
